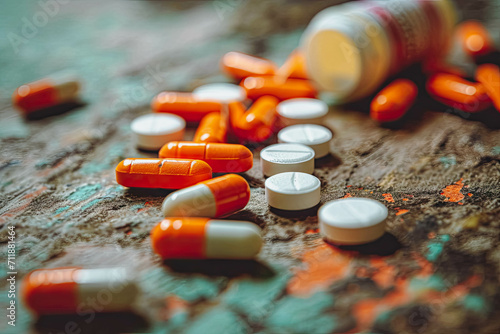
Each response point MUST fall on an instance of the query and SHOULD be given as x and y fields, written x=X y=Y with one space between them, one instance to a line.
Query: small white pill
x=281 y=158
x=302 y=111
x=352 y=221
x=221 y=92
x=315 y=136
x=152 y=131
x=293 y=191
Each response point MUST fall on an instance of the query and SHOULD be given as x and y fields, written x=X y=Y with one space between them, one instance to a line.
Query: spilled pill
x=393 y=101
x=240 y=65
x=204 y=238
x=474 y=38
x=315 y=136
x=256 y=124
x=212 y=129
x=222 y=158
x=294 y=66
x=302 y=111
x=162 y=173
x=292 y=191
x=489 y=76
x=280 y=158
x=220 y=92
x=212 y=198
x=152 y=131
x=277 y=87
x=185 y=105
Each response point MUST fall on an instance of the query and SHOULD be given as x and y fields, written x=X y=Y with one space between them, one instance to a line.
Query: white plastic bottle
x=352 y=48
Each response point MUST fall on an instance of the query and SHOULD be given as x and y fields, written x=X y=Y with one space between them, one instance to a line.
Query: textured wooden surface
x=435 y=271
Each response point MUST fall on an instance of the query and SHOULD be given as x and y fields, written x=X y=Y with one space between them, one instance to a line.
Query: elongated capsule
x=212 y=198
x=241 y=65
x=72 y=290
x=257 y=123
x=294 y=66
x=489 y=76
x=474 y=38
x=458 y=92
x=277 y=87
x=392 y=102
x=204 y=238
x=162 y=173
x=46 y=93
x=212 y=129
x=223 y=158
x=186 y=105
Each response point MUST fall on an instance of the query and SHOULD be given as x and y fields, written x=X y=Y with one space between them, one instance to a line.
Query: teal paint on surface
x=84 y=192
x=92 y=202
x=216 y=321
x=303 y=315
x=64 y=208
x=13 y=127
x=476 y=303
x=448 y=161
x=496 y=150
x=434 y=282
x=115 y=154
x=436 y=246
x=136 y=207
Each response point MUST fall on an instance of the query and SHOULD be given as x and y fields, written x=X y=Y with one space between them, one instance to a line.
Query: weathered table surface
x=435 y=271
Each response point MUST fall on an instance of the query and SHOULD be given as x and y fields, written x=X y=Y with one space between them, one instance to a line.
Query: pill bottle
x=352 y=48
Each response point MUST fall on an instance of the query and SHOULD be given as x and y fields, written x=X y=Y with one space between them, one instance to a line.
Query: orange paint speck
x=452 y=192
x=460 y=203
x=348 y=186
x=405 y=199
x=469 y=194
x=388 y=198
x=347 y=195
x=401 y=212
x=431 y=235
x=316 y=230
x=371 y=192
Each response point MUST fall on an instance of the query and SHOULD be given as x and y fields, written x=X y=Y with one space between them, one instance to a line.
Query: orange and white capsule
x=277 y=87
x=294 y=66
x=212 y=198
x=71 y=290
x=457 y=92
x=392 y=102
x=185 y=105
x=257 y=123
x=204 y=238
x=241 y=65
x=212 y=129
x=474 y=38
x=46 y=93
x=162 y=173
x=489 y=76
x=222 y=158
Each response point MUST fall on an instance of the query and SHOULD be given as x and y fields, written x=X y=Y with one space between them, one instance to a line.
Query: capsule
x=277 y=87
x=240 y=65
x=294 y=66
x=489 y=76
x=256 y=124
x=458 y=92
x=46 y=93
x=223 y=158
x=185 y=105
x=212 y=129
x=474 y=38
x=162 y=173
x=204 y=238
x=212 y=198
x=392 y=102
x=72 y=290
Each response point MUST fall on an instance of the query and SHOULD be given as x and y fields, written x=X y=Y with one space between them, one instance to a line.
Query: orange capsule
x=392 y=102
x=457 y=92
x=203 y=238
x=223 y=158
x=185 y=105
x=275 y=86
x=212 y=129
x=162 y=173
x=257 y=123
x=294 y=66
x=489 y=76
x=240 y=65
x=46 y=93
x=474 y=38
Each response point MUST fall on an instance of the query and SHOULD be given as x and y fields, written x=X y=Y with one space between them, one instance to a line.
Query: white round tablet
x=302 y=111
x=281 y=158
x=315 y=136
x=293 y=191
x=222 y=92
x=352 y=221
x=152 y=131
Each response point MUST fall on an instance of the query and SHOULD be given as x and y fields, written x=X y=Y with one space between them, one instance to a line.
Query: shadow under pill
x=386 y=245
x=149 y=192
x=330 y=160
x=216 y=267
x=54 y=111
x=297 y=214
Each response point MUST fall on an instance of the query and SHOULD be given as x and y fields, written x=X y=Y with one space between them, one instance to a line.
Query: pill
x=315 y=136
x=281 y=158
x=46 y=93
x=222 y=158
x=212 y=198
x=71 y=290
x=152 y=131
x=302 y=111
x=162 y=173
x=256 y=124
x=240 y=65
x=221 y=92
x=212 y=129
x=185 y=105
x=474 y=38
x=457 y=92
x=204 y=238
x=489 y=76
x=292 y=191
x=393 y=101
x=275 y=86
x=294 y=66
x=352 y=220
